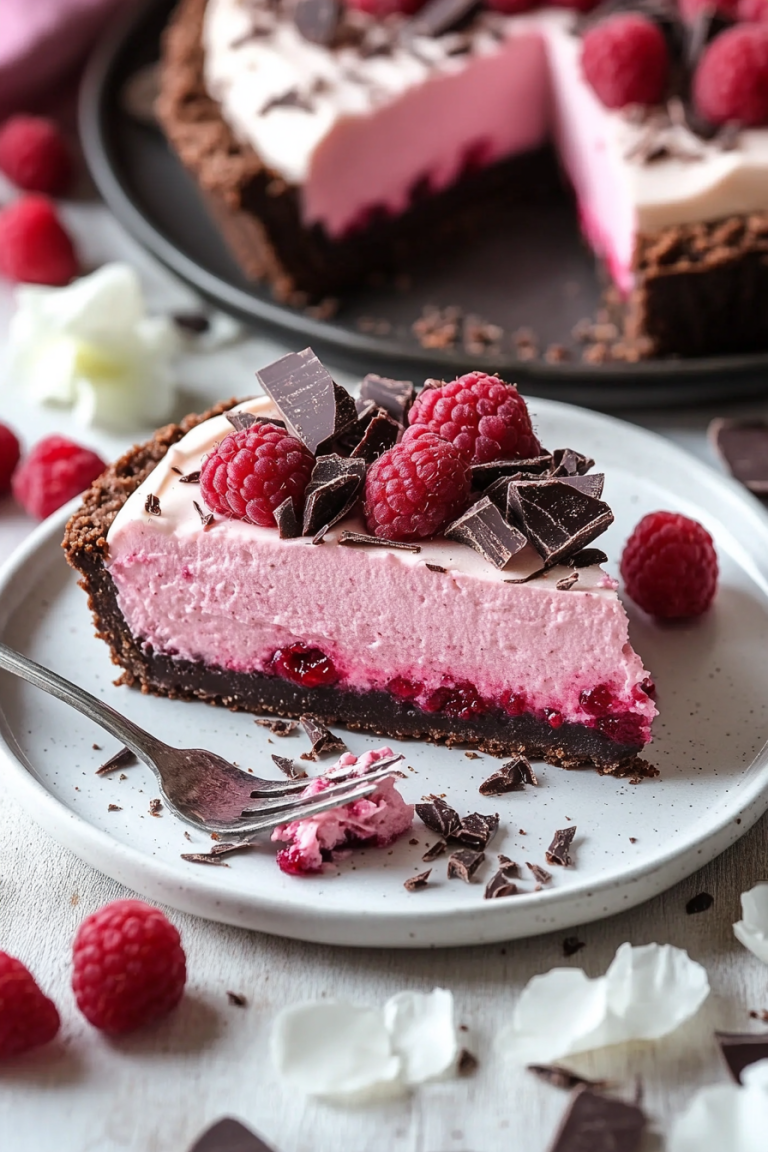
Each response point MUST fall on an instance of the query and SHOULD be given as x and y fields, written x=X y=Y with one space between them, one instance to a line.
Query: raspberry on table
x=416 y=488
x=10 y=451
x=251 y=472
x=34 y=155
x=482 y=416
x=731 y=81
x=625 y=60
x=34 y=247
x=669 y=566
x=129 y=966
x=54 y=472
x=28 y=1018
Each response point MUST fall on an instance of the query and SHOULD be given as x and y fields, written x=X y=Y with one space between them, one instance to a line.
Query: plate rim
x=680 y=374
x=491 y=921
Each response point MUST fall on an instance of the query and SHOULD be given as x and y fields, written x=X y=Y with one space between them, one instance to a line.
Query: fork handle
x=141 y=743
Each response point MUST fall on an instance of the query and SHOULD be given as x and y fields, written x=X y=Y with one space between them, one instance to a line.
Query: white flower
x=726 y=1117
x=346 y=1053
x=91 y=346
x=646 y=993
x=752 y=929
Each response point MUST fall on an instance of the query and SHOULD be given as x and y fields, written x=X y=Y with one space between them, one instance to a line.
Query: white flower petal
x=335 y=1051
x=646 y=993
x=752 y=929
x=423 y=1033
x=726 y=1117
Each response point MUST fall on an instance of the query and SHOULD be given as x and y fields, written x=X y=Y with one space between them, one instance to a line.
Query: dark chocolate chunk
x=416 y=883
x=439 y=16
x=155 y=807
x=317 y=20
x=742 y=445
x=600 y=1124
x=204 y=858
x=436 y=567
x=436 y=850
x=567 y=582
x=483 y=475
x=557 y=853
x=700 y=903
x=463 y=864
x=740 y=1049
x=572 y=945
x=592 y=484
x=566 y=462
x=507 y=864
x=439 y=817
x=237 y=1000
x=190 y=478
x=314 y=407
x=381 y=434
x=525 y=579
x=193 y=322
x=361 y=538
x=512 y=776
x=290 y=99
x=323 y=740
x=288 y=525
x=121 y=759
x=472 y=756
x=206 y=518
x=152 y=505
x=540 y=874
x=467 y=1063
x=563 y=1078
x=278 y=727
x=333 y=488
x=476 y=830
x=500 y=885
x=587 y=557
x=484 y=528
x=288 y=768
x=394 y=396
x=242 y=420
x=558 y=519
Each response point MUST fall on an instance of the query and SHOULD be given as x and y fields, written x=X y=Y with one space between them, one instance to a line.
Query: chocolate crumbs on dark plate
x=572 y=945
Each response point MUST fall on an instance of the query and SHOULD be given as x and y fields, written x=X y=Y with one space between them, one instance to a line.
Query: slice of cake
x=299 y=554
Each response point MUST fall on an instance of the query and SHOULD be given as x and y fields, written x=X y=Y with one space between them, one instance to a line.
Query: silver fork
x=198 y=786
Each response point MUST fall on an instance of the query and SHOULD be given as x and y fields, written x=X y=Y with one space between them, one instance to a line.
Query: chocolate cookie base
x=85 y=545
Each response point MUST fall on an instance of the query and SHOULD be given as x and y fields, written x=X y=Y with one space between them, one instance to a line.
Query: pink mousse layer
x=376 y=820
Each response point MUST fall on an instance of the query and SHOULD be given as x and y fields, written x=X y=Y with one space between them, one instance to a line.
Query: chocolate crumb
x=155 y=807
x=187 y=836
x=762 y=1015
x=558 y=851
x=121 y=759
x=413 y=841
x=436 y=567
x=323 y=740
x=190 y=478
x=204 y=858
x=567 y=582
x=563 y=1078
x=463 y=864
x=416 y=883
x=361 y=538
x=436 y=850
x=510 y=777
x=467 y=1063
x=206 y=518
x=572 y=945
x=96 y=747
x=699 y=903
x=288 y=768
x=587 y=557
x=501 y=885
x=633 y=839
x=114 y=808
x=193 y=322
x=278 y=727
x=236 y=1000
x=472 y=756
x=152 y=505
x=539 y=873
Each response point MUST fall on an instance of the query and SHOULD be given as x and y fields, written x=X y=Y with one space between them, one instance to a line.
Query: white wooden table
x=156 y=1091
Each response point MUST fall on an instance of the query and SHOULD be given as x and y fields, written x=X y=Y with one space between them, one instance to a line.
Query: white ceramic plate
x=632 y=841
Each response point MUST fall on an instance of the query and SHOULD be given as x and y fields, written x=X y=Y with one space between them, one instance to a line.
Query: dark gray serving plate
x=532 y=271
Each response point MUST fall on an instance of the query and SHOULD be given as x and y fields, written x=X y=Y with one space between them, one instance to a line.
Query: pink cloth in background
x=41 y=40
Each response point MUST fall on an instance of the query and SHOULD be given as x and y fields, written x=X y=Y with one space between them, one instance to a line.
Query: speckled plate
x=632 y=842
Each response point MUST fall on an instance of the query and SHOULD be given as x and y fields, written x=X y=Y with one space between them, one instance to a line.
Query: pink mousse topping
x=376 y=820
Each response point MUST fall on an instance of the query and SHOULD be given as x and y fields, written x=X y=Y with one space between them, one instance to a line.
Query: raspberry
x=252 y=472
x=9 y=457
x=462 y=700
x=482 y=416
x=55 y=470
x=404 y=689
x=514 y=703
x=34 y=155
x=669 y=566
x=309 y=667
x=752 y=11
x=34 y=248
x=731 y=81
x=553 y=717
x=625 y=60
x=596 y=701
x=28 y=1018
x=416 y=488
x=129 y=966
x=627 y=728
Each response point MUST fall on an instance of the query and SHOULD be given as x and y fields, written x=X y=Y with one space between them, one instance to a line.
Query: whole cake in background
x=332 y=142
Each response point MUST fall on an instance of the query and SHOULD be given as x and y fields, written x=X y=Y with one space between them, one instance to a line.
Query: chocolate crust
x=85 y=546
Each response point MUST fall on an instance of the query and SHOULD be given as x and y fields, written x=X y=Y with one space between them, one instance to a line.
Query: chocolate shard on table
x=510 y=777
x=381 y=433
x=323 y=740
x=416 y=883
x=558 y=851
x=317 y=20
x=557 y=519
x=484 y=529
x=288 y=768
x=439 y=817
x=742 y=445
x=560 y=1077
x=315 y=408
x=597 y=1123
x=701 y=902
x=334 y=485
x=740 y=1049
x=288 y=524
x=464 y=863
x=483 y=475
x=477 y=830
x=395 y=396
x=567 y=462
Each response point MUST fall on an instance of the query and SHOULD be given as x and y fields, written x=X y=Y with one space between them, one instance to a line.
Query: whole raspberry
x=625 y=60
x=753 y=11
x=34 y=155
x=250 y=473
x=669 y=566
x=55 y=470
x=482 y=416
x=129 y=966
x=731 y=81
x=27 y=1017
x=416 y=488
x=34 y=248
x=10 y=451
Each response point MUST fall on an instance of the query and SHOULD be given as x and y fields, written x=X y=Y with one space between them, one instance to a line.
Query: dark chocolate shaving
x=322 y=739
x=587 y=557
x=600 y=1124
x=539 y=874
x=476 y=830
x=558 y=519
x=114 y=808
x=317 y=20
x=500 y=885
x=700 y=903
x=484 y=529
x=121 y=759
x=190 y=478
x=381 y=434
x=439 y=16
x=242 y=420
x=277 y=727
x=152 y=505
x=740 y=1049
x=439 y=817
x=558 y=851
x=567 y=582
x=360 y=538
x=206 y=518
x=525 y=579
x=435 y=567
x=436 y=850
x=333 y=487
x=204 y=858
x=288 y=768
x=290 y=99
x=194 y=322
x=416 y=883
x=288 y=524
x=319 y=536
x=463 y=864
x=237 y=1000
x=315 y=408
x=742 y=445
x=563 y=1078
x=483 y=475
x=510 y=777
x=394 y=396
